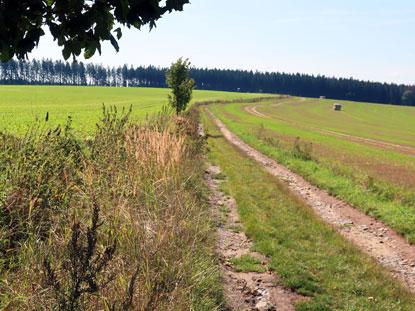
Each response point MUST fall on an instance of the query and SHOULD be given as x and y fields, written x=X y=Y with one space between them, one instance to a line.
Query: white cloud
x=399 y=21
x=334 y=12
x=395 y=12
x=292 y=20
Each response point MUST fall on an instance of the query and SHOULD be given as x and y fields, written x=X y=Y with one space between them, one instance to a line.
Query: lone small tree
x=177 y=77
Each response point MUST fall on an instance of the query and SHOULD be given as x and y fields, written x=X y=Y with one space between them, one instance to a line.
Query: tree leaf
x=66 y=52
x=119 y=33
x=114 y=43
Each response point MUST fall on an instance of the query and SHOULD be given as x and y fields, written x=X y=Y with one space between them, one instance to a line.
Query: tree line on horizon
x=49 y=72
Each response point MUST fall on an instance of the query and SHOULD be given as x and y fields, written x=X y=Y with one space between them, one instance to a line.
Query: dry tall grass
x=134 y=233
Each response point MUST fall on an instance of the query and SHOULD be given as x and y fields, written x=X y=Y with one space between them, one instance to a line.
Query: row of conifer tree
x=49 y=72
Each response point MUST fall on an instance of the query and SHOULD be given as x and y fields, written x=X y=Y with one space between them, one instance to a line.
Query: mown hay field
x=377 y=121
x=364 y=154
x=378 y=140
x=21 y=106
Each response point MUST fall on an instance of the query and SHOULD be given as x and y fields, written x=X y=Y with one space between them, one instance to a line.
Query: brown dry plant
x=147 y=180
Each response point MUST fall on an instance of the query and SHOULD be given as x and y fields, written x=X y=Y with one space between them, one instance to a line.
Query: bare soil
x=244 y=290
x=372 y=236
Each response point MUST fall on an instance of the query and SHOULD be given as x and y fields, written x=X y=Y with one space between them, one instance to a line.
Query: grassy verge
x=308 y=255
x=117 y=222
x=380 y=199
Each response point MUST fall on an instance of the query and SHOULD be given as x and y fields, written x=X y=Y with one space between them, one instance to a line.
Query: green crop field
x=363 y=154
x=20 y=106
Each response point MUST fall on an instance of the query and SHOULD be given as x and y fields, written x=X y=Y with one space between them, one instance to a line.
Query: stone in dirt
x=265 y=306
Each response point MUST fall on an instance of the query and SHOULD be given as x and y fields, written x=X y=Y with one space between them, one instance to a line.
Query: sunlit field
x=376 y=139
x=363 y=154
x=20 y=106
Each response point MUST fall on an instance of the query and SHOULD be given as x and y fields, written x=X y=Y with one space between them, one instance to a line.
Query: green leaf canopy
x=77 y=25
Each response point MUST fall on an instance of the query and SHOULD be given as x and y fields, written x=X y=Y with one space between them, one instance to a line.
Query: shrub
x=262 y=135
x=302 y=150
x=39 y=171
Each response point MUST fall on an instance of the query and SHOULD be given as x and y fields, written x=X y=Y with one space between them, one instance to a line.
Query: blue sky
x=366 y=39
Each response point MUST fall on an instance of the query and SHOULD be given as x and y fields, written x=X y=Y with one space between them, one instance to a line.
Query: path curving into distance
x=252 y=109
x=372 y=236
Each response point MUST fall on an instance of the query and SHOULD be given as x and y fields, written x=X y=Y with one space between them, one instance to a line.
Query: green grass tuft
x=219 y=176
x=236 y=228
x=247 y=263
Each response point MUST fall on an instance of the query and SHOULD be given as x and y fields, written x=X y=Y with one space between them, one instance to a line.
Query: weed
x=39 y=172
x=302 y=150
x=83 y=267
x=262 y=135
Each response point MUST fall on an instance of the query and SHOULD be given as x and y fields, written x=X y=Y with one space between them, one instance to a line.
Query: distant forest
x=48 y=72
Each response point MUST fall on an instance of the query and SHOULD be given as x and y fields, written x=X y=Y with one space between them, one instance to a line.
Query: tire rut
x=247 y=291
